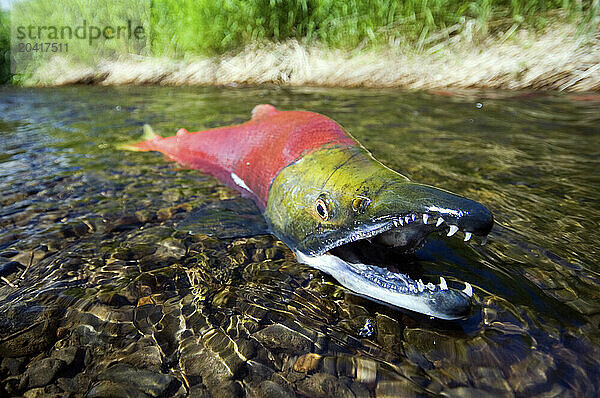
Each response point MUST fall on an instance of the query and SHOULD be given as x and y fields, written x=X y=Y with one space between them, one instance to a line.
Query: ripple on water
x=123 y=274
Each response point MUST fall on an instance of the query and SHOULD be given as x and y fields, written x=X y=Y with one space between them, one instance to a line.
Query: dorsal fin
x=263 y=110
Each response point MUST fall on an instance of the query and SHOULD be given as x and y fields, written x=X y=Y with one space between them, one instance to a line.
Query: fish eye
x=360 y=204
x=321 y=208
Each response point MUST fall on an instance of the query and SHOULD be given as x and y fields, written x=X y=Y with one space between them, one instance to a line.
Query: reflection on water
x=123 y=274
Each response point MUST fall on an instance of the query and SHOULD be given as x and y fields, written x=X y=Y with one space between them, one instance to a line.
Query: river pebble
x=270 y=389
x=146 y=381
x=396 y=388
x=12 y=366
x=366 y=370
x=32 y=330
x=72 y=356
x=307 y=362
x=280 y=337
x=203 y=365
x=107 y=388
x=41 y=373
x=321 y=385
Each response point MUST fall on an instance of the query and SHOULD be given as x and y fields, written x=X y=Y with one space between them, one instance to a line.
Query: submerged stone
x=396 y=388
x=12 y=366
x=147 y=382
x=10 y=267
x=270 y=389
x=145 y=358
x=366 y=370
x=283 y=338
x=41 y=373
x=72 y=356
x=27 y=330
x=203 y=364
x=321 y=385
x=107 y=388
x=307 y=362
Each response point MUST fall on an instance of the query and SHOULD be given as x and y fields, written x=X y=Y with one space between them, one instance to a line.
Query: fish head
x=333 y=203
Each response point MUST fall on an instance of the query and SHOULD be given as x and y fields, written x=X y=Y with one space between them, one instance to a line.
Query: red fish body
x=254 y=151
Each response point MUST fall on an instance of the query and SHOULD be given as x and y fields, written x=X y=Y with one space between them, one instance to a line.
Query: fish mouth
x=365 y=261
x=334 y=198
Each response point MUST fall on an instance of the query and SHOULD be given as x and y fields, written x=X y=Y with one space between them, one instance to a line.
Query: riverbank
x=556 y=60
x=522 y=44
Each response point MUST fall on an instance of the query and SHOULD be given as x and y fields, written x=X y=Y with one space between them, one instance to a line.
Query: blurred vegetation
x=207 y=27
x=182 y=28
x=4 y=47
x=74 y=14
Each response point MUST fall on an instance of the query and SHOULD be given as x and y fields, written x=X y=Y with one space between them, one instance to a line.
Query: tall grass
x=207 y=27
x=67 y=16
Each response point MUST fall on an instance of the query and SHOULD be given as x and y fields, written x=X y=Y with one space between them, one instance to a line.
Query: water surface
x=119 y=266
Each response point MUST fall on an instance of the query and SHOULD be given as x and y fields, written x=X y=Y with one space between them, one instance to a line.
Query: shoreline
x=558 y=59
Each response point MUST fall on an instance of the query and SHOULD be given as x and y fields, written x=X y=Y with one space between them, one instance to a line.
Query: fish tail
x=148 y=143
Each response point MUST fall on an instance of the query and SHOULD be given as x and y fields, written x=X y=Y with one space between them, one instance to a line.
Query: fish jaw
x=394 y=289
x=361 y=201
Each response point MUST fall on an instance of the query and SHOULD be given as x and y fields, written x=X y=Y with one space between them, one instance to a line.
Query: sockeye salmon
x=330 y=201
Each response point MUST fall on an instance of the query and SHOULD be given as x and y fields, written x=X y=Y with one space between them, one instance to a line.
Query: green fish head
x=336 y=196
x=332 y=203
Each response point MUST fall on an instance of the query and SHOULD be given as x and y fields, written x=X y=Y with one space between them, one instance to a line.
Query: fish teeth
x=425 y=218
x=443 y=284
x=407 y=219
x=420 y=285
x=401 y=221
x=360 y=266
x=413 y=217
x=439 y=222
x=484 y=240
x=396 y=223
x=468 y=290
x=430 y=286
x=453 y=229
x=468 y=236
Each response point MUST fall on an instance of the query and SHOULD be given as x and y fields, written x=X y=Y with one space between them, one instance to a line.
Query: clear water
x=139 y=252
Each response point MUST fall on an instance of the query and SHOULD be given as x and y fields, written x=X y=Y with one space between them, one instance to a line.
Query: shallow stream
x=122 y=274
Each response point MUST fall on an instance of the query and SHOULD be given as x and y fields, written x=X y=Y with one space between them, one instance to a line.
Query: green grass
x=182 y=28
x=72 y=14
x=205 y=27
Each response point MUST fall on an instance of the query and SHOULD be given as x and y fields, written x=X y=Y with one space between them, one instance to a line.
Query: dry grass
x=558 y=59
